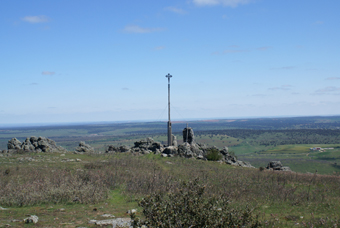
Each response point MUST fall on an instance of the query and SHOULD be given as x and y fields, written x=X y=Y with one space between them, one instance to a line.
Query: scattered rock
x=31 y=219
x=276 y=165
x=285 y=168
x=84 y=148
x=147 y=146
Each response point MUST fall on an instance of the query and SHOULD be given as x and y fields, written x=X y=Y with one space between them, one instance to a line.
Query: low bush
x=188 y=206
x=214 y=155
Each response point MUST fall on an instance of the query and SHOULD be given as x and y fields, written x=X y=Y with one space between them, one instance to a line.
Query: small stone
x=132 y=211
x=108 y=216
x=31 y=219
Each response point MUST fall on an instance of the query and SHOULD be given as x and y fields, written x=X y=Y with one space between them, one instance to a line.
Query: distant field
x=255 y=140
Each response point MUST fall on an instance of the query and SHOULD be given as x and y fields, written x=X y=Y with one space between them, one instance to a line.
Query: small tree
x=188 y=206
x=214 y=154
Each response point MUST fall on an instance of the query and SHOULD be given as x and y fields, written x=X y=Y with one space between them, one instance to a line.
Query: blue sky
x=106 y=60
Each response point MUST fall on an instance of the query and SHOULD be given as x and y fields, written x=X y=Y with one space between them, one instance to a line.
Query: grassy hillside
x=47 y=184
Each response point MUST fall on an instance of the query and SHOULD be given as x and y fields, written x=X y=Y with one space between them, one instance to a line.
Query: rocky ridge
x=34 y=144
x=189 y=149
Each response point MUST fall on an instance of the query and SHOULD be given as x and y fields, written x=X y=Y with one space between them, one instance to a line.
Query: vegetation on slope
x=278 y=197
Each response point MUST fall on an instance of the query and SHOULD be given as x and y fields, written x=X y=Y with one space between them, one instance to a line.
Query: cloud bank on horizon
x=107 y=61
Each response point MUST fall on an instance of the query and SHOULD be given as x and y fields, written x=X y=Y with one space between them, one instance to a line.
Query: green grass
x=238 y=184
x=298 y=148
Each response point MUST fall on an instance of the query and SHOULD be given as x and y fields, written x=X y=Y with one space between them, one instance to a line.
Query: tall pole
x=169 y=121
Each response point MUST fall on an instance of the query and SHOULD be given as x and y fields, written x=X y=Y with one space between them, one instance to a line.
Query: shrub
x=214 y=155
x=188 y=206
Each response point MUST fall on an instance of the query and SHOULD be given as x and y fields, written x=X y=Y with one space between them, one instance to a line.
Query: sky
x=106 y=60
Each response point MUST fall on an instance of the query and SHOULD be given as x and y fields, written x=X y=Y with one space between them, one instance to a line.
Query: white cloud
x=159 y=48
x=47 y=73
x=175 y=10
x=36 y=19
x=230 y=3
x=138 y=29
x=333 y=78
x=328 y=90
x=265 y=48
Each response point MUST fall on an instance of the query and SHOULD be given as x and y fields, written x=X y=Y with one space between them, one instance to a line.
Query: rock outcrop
x=34 y=144
x=174 y=140
x=188 y=135
x=117 y=149
x=14 y=144
x=147 y=146
x=191 y=149
x=276 y=165
x=84 y=148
